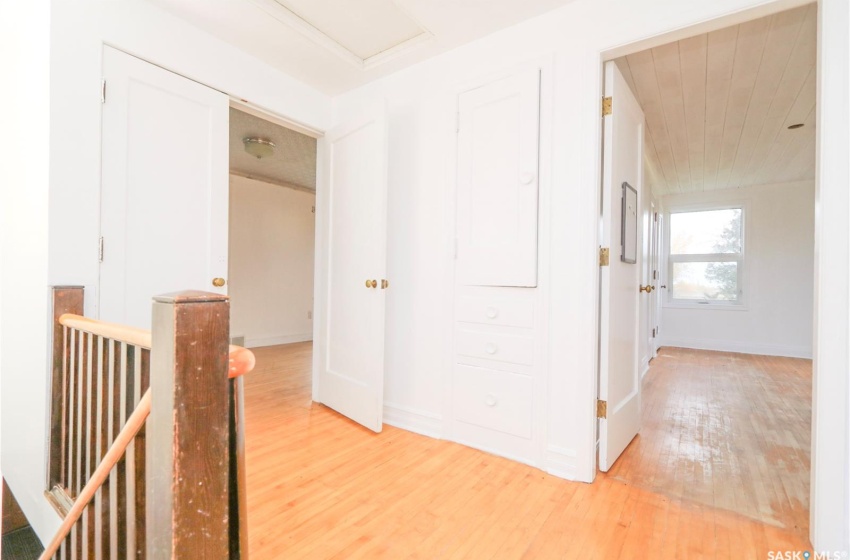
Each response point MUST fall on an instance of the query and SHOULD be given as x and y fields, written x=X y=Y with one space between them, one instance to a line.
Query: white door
x=164 y=192
x=619 y=376
x=498 y=137
x=652 y=315
x=351 y=369
x=659 y=281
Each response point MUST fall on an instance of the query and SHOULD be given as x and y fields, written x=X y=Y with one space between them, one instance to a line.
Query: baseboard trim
x=413 y=420
x=644 y=367
x=739 y=347
x=560 y=462
x=257 y=342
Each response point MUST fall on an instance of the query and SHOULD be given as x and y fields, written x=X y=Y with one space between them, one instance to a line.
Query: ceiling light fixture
x=258 y=147
x=795 y=126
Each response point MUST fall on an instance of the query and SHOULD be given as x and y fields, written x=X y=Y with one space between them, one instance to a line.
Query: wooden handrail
x=241 y=359
x=123 y=333
x=116 y=451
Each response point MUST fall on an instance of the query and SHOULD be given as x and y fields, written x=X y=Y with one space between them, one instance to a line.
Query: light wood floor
x=720 y=470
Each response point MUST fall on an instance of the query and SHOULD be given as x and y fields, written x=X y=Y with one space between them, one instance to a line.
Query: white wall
x=779 y=237
x=422 y=106
x=272 y=245
x=24 y=180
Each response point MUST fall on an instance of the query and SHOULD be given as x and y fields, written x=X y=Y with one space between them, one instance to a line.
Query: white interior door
x=498 y=138
x=164 y=193
x=619 y=376
x=654 y=281
x=351 y=369
x=659 y=278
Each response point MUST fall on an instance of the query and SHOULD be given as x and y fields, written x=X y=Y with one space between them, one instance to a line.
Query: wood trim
x=66 y=299
x=187 y=444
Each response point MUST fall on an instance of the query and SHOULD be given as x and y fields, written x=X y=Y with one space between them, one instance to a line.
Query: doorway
x=271 y=231
x=729 y=158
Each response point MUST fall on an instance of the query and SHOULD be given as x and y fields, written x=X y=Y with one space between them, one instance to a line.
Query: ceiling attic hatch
x=364 y=33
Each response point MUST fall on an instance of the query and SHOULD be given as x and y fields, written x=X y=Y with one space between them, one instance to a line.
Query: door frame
x=830 y=395
x=320 y=237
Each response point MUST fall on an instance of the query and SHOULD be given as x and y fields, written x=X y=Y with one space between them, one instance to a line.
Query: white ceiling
x=293 y=162
x=337 y=45
x=718 y=105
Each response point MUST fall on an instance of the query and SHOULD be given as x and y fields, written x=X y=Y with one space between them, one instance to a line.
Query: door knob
x=371 y=283
x=385 y=284
x=646 y=288
x=218 y=282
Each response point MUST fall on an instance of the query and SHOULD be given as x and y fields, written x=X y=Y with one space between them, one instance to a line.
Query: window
x=706 y=258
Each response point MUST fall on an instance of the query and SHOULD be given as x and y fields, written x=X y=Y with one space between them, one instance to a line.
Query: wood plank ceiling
x=718 y=105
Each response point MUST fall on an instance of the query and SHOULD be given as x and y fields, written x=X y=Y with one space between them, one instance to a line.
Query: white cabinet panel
x=511 y=348
x=502 y=311
x=498 y=141
x=494 y=400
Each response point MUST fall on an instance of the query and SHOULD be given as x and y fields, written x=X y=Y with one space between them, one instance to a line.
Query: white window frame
x=740 y=258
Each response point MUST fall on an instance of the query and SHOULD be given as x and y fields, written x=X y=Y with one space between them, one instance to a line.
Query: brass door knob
x=385 y=284
x=646 y=289
x=371 y=283
x=218 y=282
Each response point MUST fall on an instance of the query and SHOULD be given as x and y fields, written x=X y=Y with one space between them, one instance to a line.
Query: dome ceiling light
x=258 y=147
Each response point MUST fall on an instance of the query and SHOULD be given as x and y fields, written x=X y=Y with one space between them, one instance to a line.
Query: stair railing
x=146 y=447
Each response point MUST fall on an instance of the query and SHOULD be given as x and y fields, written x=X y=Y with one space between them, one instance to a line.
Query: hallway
x=720 y=470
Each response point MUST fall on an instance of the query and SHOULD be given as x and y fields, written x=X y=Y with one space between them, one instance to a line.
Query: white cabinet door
x=498 y=137
x=619 y=380
x=351 y=368
x=164 y=193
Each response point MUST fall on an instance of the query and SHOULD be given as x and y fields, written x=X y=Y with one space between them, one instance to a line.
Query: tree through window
x=706 y=256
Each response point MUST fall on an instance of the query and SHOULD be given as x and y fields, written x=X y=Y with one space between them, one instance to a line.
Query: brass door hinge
x=607 y=103
x=601 y=409
x=603 y=256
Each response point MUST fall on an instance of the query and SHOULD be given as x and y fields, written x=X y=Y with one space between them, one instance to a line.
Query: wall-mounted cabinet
x=498 y=140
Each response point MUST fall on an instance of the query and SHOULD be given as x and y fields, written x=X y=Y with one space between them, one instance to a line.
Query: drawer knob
x=491 y=348
x=490 y=399
x=492 y=312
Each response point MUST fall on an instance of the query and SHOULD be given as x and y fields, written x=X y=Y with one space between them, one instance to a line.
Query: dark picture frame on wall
x=628 y=224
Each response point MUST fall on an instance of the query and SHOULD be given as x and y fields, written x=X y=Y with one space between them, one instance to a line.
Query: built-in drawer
x=495 y=400
x=511 y=348
x=504 y=311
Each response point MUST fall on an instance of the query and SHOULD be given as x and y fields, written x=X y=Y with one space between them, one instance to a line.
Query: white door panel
x=498 y=141
x=619 y=379
x=164 y=195
x=351 y=377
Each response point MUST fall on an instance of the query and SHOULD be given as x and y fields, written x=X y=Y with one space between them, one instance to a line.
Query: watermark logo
x=807 y=555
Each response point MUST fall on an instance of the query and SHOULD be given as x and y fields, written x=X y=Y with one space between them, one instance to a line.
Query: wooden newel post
x=188 y=429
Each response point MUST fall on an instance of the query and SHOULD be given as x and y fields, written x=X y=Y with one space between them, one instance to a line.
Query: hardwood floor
x=720 y=470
